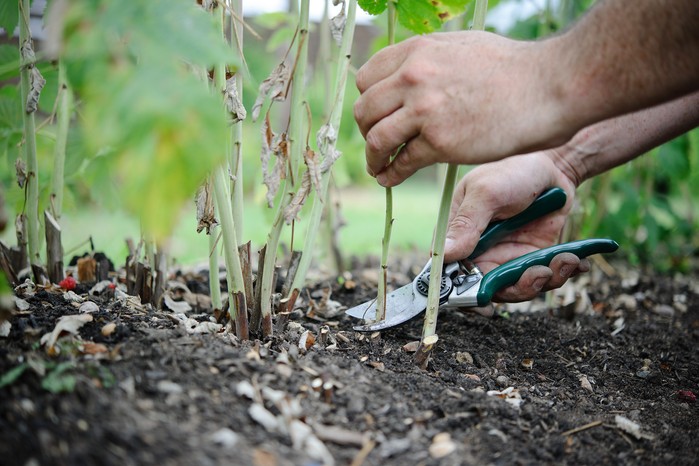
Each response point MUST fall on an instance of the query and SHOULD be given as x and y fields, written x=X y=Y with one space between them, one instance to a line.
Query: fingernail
x=539 y=283
x=566 y=270
x=382 y=179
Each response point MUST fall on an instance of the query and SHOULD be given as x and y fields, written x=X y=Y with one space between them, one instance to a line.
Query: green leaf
x=12 y=375
x=9 y=15
x=373 y=7
x=10 y=108
x=9 y=61
x=425 y=16
x=159 y=129
x=58 y=380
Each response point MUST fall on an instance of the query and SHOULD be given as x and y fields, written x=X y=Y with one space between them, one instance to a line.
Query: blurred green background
x=649 y=205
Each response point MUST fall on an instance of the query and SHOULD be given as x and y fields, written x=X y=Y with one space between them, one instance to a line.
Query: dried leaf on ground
x=510 y=395
x=630 y=427
x=68 y=324
x=442 y=445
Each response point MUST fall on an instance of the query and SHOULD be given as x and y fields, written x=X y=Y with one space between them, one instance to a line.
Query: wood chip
x=442 y=445
x=585 y=383
x=93 y=348
x=378 y=365
x=108 y=329
x=339 y=435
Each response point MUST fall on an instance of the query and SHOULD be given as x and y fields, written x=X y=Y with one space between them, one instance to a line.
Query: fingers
x=383 y=140
x=470 y=213
x=376 y=103
x=381 y=65
x=411 y=157
x=540 y=278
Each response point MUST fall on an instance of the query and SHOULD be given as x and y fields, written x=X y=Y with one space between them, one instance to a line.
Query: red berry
x=686 y=395
x=68 y=283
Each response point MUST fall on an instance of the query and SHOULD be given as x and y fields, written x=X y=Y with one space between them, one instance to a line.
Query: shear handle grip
x=508 y=273
x=547 y=202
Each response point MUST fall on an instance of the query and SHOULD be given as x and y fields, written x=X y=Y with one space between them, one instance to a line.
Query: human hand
x=500 y=190
x=462 y=97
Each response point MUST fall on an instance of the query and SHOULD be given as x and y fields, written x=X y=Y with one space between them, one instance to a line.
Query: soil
x=604 y=376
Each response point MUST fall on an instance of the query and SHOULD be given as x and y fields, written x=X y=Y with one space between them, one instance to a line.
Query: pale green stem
x=234 y=269
x=224 y=208
x=32 y=186
x=440 y=234
x=430 y=325
x=388 y=218
x=214 y=284
x=236 y=158
x=324 y=57
x=296 y=137
x=65 y=102
x=479 y=15
x=334 y=121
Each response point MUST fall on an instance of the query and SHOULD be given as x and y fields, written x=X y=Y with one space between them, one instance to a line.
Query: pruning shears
x=463 y=285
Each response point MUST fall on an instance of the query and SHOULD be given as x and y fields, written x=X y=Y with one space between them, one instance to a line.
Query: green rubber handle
x=508 y=273
x=547 y=202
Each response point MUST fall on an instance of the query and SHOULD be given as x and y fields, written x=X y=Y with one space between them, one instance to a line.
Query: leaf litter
x=174 y=389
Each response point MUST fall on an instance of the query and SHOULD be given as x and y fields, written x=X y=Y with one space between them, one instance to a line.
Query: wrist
x=560 y=100
x=569 y=159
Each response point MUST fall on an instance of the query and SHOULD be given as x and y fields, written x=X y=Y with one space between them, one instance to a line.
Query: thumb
x=463 y=234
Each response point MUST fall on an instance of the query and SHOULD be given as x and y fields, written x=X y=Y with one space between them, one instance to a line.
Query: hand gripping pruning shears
x=463 y=285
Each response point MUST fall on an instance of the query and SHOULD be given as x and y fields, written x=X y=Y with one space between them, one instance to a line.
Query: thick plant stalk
x=236 y=156
x=65 y=102
x=429 y=329
x=334 y=120
x=388 y=218
x=222 y=193
x=296 y=132
x=234 y=273
x=214 y=284
x=32 y=186
x=52 y=216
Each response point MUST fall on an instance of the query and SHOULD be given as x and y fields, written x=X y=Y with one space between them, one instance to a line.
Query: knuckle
x=461 y=222
x=374 y=141
x=416 y=71
x=360 y=79
x=358 y=110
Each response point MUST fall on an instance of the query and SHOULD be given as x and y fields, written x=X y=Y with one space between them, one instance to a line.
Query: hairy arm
x=474 y=97
x=610 y=143
x=625 y=55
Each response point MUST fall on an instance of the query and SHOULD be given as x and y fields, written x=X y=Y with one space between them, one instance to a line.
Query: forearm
x=612 y=142
x=625 y=55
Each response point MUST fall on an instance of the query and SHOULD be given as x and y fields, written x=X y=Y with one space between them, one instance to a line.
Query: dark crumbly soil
x=160 y=395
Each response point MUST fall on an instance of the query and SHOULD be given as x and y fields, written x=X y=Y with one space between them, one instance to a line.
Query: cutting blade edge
x=401 y=305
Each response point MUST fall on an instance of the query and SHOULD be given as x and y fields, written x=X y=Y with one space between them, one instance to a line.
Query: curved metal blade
x=401 y=305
